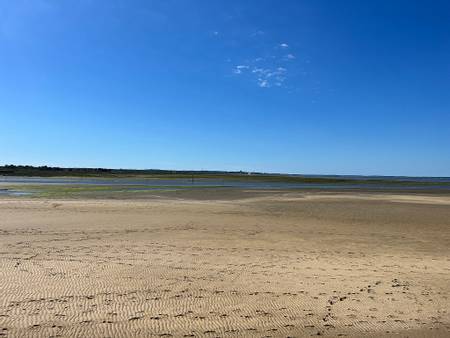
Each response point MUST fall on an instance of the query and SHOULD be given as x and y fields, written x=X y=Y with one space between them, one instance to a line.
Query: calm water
x=9 y=192
x=442 y=183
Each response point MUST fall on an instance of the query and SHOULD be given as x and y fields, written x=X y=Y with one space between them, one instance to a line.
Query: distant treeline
x=45 y=171
x=28 y=170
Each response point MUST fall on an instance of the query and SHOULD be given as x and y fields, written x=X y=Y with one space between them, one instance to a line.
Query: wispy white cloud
x=269 y=69
x=268 y=77
x=260 y=71
x=263 y=83
x=240 y=68
x=257 y=33
x=265 y=76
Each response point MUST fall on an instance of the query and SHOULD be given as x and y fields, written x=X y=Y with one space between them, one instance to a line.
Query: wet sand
x=241 y=264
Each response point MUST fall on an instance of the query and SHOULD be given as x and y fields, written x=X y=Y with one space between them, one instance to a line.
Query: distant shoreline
x=104 y=173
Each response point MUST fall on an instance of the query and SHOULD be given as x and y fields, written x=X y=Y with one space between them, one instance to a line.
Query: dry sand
x=278 y=265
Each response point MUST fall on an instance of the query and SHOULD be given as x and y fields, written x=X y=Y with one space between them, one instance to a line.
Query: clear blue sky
x=314 y=87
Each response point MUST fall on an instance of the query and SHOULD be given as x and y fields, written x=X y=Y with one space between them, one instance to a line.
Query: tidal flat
x=218 y=262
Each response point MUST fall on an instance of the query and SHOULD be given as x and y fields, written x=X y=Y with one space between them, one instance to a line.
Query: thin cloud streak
x=268 y=71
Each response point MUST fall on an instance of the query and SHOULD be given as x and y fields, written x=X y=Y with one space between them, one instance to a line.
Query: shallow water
x=8 y=192
x=181 y=183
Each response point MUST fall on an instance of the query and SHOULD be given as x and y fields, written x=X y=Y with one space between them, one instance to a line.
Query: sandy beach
x=269 y=264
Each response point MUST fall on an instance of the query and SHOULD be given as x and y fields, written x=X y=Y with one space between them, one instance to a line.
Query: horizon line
x=211 y=171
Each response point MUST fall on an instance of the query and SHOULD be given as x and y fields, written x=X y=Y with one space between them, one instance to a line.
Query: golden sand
x=279 y=265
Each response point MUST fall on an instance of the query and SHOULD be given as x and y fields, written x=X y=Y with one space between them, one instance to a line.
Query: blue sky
x=314 y=87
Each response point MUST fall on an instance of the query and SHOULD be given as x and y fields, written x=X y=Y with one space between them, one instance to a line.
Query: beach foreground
x=273 y=264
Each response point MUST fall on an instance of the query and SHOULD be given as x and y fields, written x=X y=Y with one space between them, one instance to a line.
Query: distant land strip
x=46 y=171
